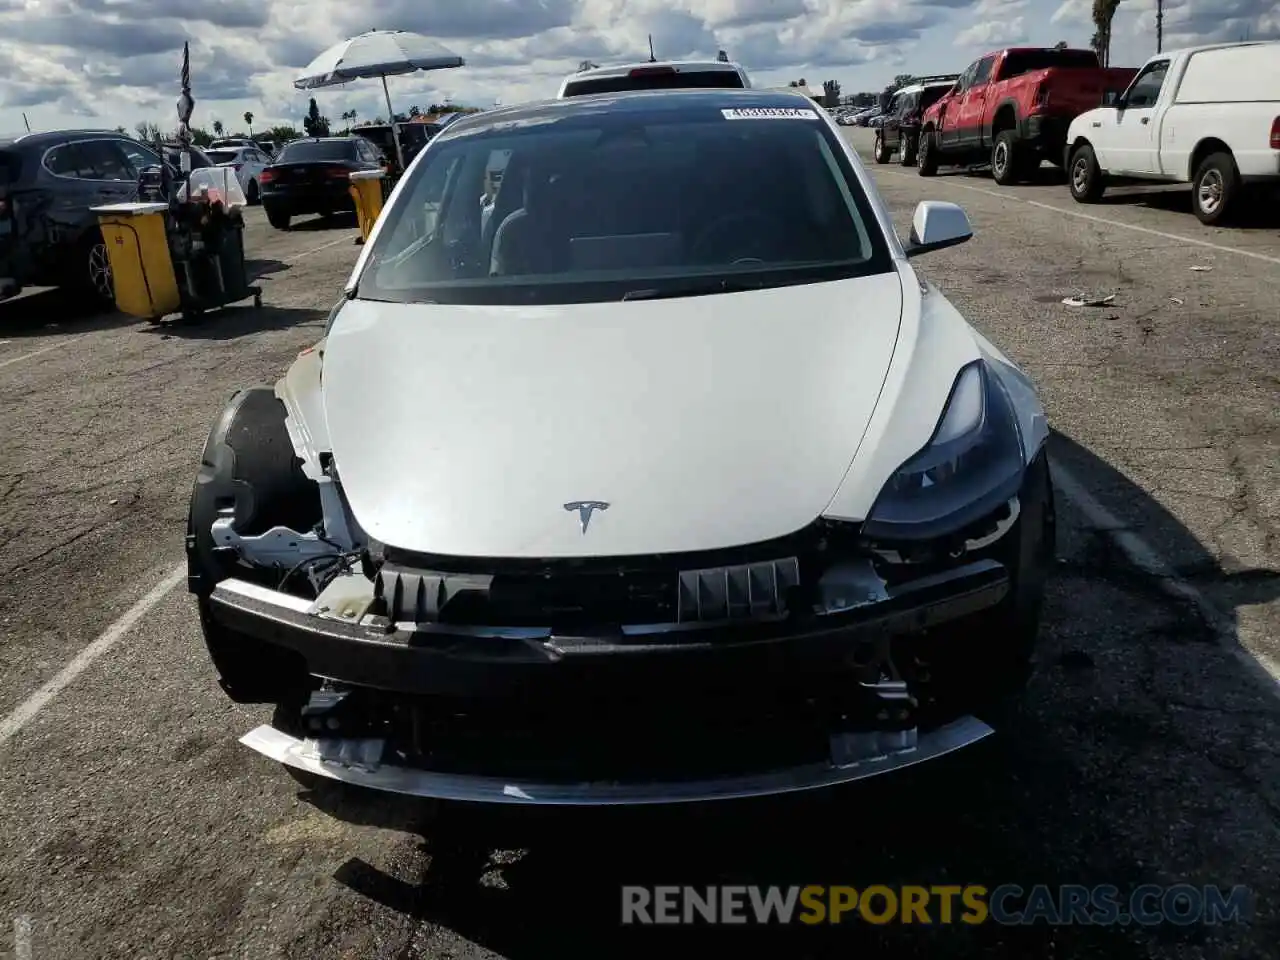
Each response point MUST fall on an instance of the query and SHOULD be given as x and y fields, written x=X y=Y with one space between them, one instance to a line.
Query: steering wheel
x=744 y=230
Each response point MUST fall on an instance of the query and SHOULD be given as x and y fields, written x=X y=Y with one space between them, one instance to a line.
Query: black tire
x=248 y=467
x=277 y=218
x=1215 y=189
x=880 y=151
x=251 y=193
x=991 y=683
x=1008 y=165
x=927 y=154
x=1085 y=178
x=907 y=151
x=90 y=279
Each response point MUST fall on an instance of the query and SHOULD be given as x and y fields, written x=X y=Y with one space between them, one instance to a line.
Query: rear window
x=222 y=156
x=931 y=95
x=1028 y=60
x=308 y=150
x=697 y=79
x=10 y=167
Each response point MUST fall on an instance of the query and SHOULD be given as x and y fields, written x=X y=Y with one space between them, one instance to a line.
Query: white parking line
x=1079 y=215
x=35 y=353
x=324 y=246
x=27 y=710
x=1144 y=558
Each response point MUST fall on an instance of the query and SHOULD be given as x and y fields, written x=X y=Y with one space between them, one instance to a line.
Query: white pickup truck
x=1208 y=116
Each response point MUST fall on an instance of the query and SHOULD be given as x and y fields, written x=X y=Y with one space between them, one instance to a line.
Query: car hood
x=703 y=422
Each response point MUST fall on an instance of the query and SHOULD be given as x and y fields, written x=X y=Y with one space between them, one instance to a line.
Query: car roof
x=638 y=101
x=1169 y=54
x=680 y=66
x=46 y=138
x=918 y=87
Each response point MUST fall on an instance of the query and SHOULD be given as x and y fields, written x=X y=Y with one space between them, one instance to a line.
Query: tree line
x=314 y=124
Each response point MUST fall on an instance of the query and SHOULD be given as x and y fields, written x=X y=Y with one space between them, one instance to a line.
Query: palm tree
x=217 y=128
x=1104 y=12
x=248 y=119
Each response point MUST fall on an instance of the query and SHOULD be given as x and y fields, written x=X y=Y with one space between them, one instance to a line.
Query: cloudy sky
x=115 y=62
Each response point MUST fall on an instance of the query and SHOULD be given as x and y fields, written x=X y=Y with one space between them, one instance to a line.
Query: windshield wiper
x=695 y=290
x=721 y=285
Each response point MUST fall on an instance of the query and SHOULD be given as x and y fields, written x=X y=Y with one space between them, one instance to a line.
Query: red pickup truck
x=1012 y=109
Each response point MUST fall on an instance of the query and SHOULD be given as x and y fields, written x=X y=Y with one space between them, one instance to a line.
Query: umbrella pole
x=395 y=129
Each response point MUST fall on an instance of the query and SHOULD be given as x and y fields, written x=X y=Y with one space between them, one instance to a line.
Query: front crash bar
x=854 y=756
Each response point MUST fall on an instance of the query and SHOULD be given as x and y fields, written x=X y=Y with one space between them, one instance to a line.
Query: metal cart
x=183 y=257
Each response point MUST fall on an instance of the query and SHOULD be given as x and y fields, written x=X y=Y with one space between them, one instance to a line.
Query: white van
x=1208 y=116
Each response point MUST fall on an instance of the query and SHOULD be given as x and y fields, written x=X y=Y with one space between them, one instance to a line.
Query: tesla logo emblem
x=585 y=508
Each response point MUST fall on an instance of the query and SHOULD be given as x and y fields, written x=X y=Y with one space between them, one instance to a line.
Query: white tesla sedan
x=668 y=480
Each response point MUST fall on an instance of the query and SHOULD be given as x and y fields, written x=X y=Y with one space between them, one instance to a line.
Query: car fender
x=934 y=343
x=1033 y=424
x=300 y=392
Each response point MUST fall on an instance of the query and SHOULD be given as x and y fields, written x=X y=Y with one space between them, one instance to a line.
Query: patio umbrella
x=378 y=53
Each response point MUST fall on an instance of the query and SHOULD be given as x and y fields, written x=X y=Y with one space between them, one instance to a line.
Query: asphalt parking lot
x=132 y=823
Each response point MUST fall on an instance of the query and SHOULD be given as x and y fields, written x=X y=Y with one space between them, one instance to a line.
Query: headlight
x=972 y=464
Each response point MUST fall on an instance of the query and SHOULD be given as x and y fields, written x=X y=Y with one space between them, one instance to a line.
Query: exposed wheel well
x=927 y=128
x=1204 y=149
x=1006 y=119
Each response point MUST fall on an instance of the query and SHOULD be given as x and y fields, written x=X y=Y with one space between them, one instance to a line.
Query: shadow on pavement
x=236 y=320
x=54 y=312
x=1082 y=787
x=256 y=269
x=1254 y=213
x=337 y=221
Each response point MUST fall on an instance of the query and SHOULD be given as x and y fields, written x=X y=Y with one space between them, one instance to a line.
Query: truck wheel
x=880 y=152
x=1214 y=189
x=927 y=154
x=907 y=153
x=250 y=471
x=1007 y=163
x=1086 y=179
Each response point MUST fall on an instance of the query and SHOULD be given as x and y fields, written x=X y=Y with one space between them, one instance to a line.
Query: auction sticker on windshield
x=770 y=113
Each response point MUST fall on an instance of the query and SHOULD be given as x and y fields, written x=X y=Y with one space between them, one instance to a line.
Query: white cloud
x=992 y=34
x=118 y=59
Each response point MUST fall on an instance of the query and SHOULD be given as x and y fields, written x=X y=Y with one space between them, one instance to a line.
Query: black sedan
x=312 y=176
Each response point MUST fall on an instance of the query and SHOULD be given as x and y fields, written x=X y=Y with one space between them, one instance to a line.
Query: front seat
x=532 y=239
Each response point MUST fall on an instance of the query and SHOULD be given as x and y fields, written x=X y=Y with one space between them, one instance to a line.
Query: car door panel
x=1132 y=144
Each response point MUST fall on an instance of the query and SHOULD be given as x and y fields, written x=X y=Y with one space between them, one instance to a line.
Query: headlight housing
x=973 y=463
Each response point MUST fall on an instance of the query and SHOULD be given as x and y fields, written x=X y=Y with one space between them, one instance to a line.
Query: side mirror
x=936 y=225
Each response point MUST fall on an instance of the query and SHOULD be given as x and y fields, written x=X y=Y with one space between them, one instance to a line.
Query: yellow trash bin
x=366 y=191
x=141 y=268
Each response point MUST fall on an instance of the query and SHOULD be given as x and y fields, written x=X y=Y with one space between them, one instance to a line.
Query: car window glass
x=108 y=163
x=576 y=210
x=1146 y=87
x=316 y=150
x=983 y=73
x=67 y=161
x=138 y=156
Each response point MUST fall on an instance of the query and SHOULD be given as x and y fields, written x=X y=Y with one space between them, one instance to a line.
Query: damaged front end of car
x=841 y=651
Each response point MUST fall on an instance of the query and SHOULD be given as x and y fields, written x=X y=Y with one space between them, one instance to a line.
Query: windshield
x=605 y=205
x=304 y=151
x=222 y=156
x=702 y=79
x=1027 y=60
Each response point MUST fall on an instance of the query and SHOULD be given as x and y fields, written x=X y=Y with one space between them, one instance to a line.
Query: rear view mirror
x=936 y=225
